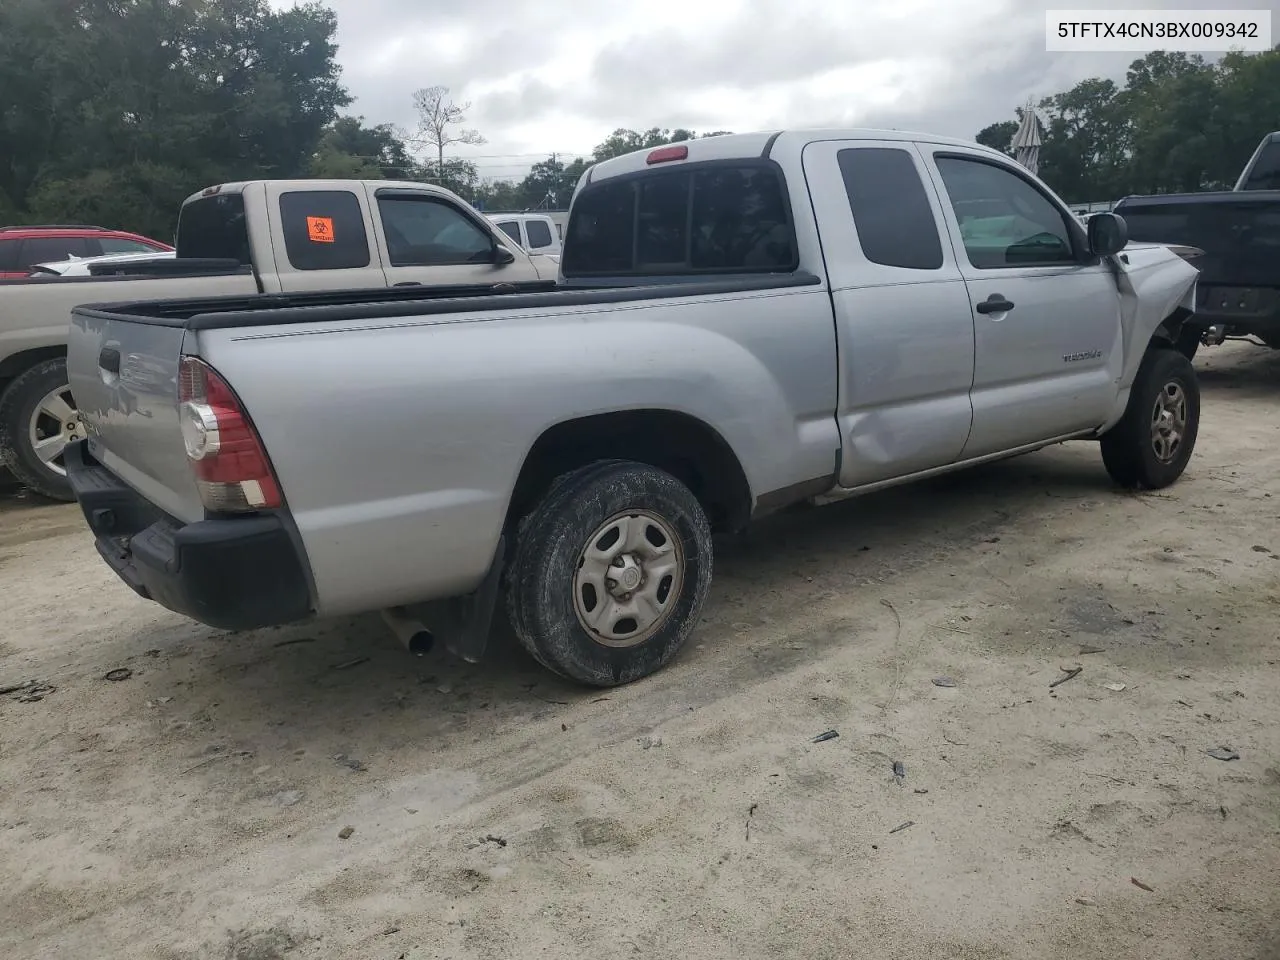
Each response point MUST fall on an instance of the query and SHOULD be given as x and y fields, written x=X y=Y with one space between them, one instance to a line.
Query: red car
x=21 y=248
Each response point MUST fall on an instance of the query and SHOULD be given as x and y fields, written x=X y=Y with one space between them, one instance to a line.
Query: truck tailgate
x=124 y=377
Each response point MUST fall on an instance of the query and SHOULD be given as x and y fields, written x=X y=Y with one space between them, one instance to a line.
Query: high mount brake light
x=667 y=154
x=225 y=452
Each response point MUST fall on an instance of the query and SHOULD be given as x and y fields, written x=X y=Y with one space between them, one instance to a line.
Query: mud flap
x=463 y=623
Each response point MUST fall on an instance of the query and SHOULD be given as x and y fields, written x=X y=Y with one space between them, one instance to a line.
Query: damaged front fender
x=1157 y=286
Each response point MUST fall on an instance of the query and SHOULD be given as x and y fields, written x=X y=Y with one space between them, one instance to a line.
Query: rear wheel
x=610 y=573
x=1150 y=446
x=38 y=419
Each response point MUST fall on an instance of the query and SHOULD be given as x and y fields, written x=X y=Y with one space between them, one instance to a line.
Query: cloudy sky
x=558 y=76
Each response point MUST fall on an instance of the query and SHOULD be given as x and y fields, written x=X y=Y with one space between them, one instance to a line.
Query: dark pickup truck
x=1238 y=234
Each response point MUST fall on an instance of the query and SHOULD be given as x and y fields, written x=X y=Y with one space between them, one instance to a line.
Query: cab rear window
x=214 y=227
x=701 y=218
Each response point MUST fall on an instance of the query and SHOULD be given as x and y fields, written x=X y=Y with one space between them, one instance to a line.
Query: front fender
x=1154 y=284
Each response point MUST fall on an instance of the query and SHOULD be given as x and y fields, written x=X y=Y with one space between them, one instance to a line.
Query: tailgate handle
x=109 y=360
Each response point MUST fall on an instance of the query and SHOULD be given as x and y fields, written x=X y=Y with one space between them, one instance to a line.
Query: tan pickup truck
x=274 y=236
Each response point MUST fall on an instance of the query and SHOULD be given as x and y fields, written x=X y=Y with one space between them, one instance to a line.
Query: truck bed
x=216 y=313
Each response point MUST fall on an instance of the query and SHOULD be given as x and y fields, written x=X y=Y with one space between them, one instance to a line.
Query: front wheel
x=1150 y=446
x=610 y=573
x=38 y=419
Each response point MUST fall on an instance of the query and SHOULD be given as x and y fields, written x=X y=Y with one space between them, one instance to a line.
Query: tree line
x=114 y=111
x=1177 y=124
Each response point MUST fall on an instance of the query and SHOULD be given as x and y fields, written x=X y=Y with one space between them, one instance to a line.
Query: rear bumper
x=1242 y=310
x=236 y=573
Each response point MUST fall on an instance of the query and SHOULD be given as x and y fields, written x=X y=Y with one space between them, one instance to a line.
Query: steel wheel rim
x=1169 y=421
x=54 y=424
x=628 y=578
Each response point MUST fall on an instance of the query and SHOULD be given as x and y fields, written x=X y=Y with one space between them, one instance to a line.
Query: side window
x=601 y=229
x=560 y=231
x=323 y=230
x=1004 y=220
x=511 y=229
x=896 y=225
x=50 y=249
x=9 y=256
x=1265 y=174
x=124 y=245
x=424 y=232
x=539 y=233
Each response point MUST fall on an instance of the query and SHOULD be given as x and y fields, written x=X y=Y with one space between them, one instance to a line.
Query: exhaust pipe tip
x=413 y=636
x=420 y=642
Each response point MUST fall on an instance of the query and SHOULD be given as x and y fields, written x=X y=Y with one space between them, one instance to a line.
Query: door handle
x=996 y=303
x=408 y=283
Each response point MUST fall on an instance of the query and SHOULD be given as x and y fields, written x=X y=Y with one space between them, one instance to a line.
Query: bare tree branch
x=439 y=122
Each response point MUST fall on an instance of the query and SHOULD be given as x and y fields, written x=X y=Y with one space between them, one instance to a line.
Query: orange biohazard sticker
x=320 y=229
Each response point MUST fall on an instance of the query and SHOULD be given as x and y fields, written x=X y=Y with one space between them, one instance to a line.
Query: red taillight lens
x=225 y=452
x=666 y=154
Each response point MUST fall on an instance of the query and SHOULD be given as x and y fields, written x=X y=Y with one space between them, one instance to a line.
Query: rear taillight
x=226 y=453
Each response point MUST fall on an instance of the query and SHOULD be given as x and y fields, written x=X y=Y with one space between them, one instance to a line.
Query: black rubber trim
x=234 y=573
x=776 y=500
x=1233 y=197
x=278 y=310
x=169 y=272
x=768 y=145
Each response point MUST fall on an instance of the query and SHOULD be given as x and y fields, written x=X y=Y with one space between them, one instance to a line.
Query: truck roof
x=239 y=186
x=734 y=146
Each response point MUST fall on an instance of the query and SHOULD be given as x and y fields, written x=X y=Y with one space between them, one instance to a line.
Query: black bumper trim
x=233 y=573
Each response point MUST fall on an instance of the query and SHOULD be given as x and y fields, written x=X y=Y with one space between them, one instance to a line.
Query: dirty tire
x=17 y=404
x=1128 y=451
x=540 y=582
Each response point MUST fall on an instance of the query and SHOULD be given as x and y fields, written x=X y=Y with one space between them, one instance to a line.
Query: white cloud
x=558 y=75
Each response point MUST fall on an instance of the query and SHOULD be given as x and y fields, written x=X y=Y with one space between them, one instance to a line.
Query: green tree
x=1178 y=124
x=625 y=141
x=373 y=153
x=1171 y=101
x=116 y=110
x=998 y=136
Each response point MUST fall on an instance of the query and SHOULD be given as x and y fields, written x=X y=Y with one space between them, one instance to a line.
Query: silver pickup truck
x=743 y=323
x=273 y=236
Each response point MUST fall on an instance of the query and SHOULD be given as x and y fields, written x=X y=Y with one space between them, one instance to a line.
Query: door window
x=425 y=232
x=50 y=249
x=511 y=229
x=1004 y=220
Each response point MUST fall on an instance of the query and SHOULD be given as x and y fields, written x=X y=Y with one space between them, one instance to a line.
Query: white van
x=535 y=232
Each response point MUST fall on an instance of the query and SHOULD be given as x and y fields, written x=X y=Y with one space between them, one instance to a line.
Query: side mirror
x=502 y=256
x=1108 y=234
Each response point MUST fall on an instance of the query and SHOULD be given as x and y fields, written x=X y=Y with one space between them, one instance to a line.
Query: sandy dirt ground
x=198 y=807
